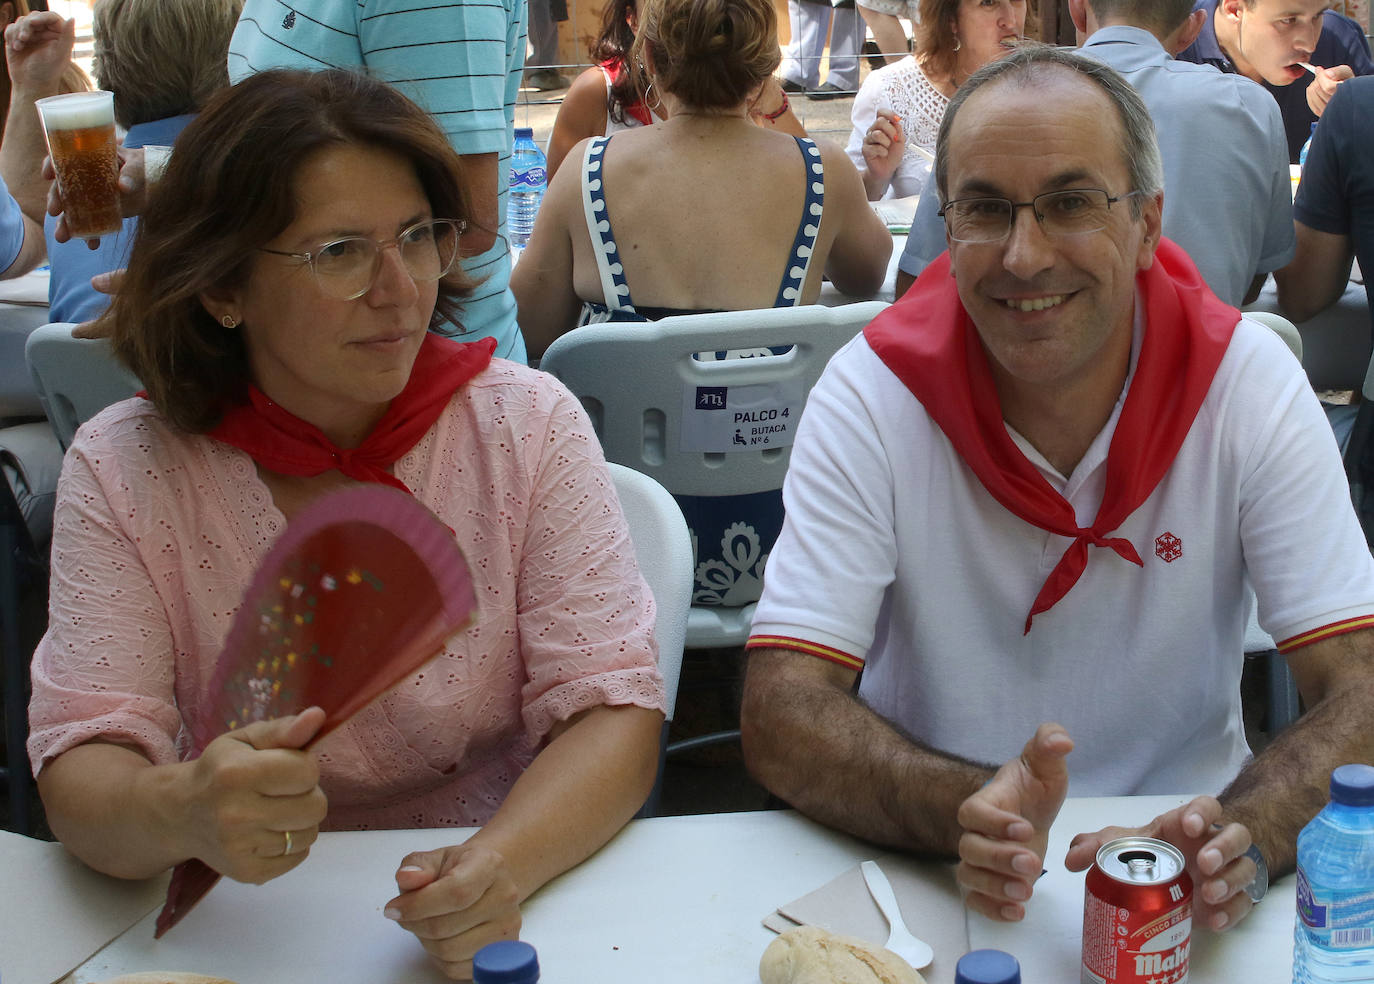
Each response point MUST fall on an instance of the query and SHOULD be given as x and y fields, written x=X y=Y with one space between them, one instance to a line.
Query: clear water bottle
x=1302 y=154
x=506 y=962
x=1333 y=938
x=987 y=967
x=528 y=179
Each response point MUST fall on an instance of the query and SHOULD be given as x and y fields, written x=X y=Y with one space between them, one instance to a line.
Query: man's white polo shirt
x=896 y=560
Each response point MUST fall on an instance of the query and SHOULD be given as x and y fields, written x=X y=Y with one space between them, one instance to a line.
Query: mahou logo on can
x=1137 y=914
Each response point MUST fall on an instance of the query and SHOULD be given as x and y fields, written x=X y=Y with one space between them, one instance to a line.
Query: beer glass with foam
x=81 y=141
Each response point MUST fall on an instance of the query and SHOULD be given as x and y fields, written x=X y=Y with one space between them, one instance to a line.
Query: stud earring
x=228 y=321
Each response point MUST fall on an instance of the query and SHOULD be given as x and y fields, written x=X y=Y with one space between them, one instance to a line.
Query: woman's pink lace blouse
x=158 y=533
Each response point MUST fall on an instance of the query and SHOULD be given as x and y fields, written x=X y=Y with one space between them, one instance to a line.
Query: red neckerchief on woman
x=281 y=441
x=615 y=67
x=931 y=345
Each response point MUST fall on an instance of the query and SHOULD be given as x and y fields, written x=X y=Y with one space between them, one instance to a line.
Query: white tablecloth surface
x=669 y=900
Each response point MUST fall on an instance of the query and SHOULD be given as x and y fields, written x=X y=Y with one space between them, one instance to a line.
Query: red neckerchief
x=282 y=442
x=930 y=344
x=615 y=67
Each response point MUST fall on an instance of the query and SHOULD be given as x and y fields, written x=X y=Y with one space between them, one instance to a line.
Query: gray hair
x=162 y=58
x=1031 y=61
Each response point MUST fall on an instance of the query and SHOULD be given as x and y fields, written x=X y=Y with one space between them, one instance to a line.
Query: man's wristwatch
x=1260 y=885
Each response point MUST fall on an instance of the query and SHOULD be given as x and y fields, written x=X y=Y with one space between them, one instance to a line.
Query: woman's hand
x=249 y=790
x=883 y=146
x=456 y=900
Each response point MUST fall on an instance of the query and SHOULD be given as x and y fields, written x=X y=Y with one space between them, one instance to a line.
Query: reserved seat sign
x=752 y=417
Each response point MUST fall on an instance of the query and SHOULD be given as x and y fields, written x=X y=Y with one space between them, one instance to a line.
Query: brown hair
x=933 y=35
x=162 y=59
x=709 y=53
x=228 y=189
x=613 y=45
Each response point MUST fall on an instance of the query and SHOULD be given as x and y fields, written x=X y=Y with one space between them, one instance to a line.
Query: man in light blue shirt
x=462 y=62
x=21 y=239
x=1227 y=193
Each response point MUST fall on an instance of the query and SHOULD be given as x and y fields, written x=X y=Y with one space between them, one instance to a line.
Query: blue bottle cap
x=987 y=967
x=506 y=962
x=1353 y=785
x=524 y=131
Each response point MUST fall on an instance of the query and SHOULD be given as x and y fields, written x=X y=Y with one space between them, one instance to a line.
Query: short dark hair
x=709 y=53
x=228 y=189
x=1157 y=16
x=1032 y=61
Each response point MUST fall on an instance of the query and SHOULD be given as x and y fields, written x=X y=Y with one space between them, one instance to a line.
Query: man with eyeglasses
x=1035 y=490
x=1220 y=137
x=462 y=61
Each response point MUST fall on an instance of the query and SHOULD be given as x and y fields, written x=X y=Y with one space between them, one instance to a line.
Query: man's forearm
x=833 y=758
x=1286 y=784
x=22 y=153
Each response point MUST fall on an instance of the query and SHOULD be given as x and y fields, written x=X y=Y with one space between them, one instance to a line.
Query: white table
x=831 y=297
x=1335 y=343
x=23 y=307
x=669 y=900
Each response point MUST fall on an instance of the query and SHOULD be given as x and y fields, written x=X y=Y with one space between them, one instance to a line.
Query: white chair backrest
x=76 y=378
x=1280 y=326
x=664 y=551
x=703 y=426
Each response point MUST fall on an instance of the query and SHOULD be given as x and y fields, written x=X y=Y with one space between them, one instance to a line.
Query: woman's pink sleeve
x=586 y=616
x=104 y=669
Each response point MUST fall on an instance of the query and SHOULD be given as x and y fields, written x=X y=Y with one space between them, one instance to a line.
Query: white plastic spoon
x=900 y=941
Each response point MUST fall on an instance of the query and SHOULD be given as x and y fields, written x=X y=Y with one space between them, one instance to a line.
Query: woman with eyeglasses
x=278 y=308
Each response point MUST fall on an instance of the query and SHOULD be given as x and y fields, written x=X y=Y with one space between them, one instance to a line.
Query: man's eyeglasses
x=1072 y=212
x=347 y=268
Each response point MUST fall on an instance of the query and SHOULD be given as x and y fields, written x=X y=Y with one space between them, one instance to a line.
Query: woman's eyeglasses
x=347 y=268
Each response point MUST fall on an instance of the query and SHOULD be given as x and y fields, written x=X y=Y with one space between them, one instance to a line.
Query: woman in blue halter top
x=705 y=211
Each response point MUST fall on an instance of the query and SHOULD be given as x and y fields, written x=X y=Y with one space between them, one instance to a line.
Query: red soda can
x=1137 y=914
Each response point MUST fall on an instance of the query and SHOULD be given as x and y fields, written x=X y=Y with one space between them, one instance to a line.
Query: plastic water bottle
x=506 y=962
x=1333 y=938
x=1302 y=154
x=528 y=179
x=987 y=967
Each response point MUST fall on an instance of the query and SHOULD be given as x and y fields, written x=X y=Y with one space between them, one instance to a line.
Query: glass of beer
x=81 y=141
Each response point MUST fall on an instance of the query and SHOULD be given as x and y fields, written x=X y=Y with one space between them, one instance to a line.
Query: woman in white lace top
x=898 y=109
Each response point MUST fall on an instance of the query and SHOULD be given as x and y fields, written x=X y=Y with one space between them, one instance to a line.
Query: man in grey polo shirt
x=1229 y=199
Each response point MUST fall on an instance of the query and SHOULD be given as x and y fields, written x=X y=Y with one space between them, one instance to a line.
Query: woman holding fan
x=278 y=307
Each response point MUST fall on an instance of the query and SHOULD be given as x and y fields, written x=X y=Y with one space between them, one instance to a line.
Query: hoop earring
x=228 y=321
x=957 y=43
x=648 y=92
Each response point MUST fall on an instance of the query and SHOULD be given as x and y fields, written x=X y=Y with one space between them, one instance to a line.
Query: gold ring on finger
x=287 y=849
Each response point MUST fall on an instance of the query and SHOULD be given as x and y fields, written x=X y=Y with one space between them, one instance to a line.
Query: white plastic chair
x=1280 y=326
x=663 y=549
x=76 y=378
x=640 y=382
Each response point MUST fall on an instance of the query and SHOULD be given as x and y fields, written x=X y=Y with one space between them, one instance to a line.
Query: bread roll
x=809 y=955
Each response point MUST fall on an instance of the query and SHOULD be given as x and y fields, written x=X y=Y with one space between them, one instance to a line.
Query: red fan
x=361 y=590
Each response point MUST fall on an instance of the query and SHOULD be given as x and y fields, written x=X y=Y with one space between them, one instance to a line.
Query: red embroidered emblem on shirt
x=1168 y=547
